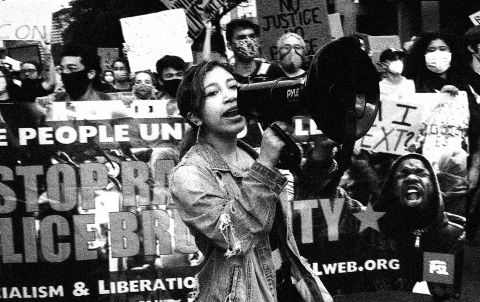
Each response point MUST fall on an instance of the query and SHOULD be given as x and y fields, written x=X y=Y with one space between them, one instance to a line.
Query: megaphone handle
x=291 y=158
x=279 y=132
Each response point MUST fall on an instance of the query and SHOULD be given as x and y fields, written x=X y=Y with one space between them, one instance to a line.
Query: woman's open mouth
x=233 y=112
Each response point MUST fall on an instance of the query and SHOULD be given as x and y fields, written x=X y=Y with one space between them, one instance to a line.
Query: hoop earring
x=198 y=132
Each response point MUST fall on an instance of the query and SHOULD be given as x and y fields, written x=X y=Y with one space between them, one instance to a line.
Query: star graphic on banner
x=369 y=218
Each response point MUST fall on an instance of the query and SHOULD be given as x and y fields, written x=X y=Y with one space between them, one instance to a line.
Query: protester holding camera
x=228 y=196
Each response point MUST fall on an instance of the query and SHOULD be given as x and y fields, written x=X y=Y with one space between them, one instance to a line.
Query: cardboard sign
x=107 y=56
x=475 y=18
x=147 y=45
x=25 y=20
x=197 y=11
x=309 y=19
x=435 y=121
x=335 y=25
x=445 y=124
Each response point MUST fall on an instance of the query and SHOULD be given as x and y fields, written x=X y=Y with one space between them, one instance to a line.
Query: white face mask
x=108 y=79
x=438 y=61
x=396 y=67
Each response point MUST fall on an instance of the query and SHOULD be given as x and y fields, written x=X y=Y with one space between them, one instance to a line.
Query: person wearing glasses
x=34 y=84
x=291 y=49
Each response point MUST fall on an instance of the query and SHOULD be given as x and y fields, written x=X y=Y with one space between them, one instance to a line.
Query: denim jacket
x=231 y=215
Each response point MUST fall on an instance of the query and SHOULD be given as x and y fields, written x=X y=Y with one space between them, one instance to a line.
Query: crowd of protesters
x=432 y=63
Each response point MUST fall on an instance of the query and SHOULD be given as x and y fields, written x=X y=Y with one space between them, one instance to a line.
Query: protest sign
x=445 y=125
x=307 y=18
x=107 y=56
x=197 y=11
x=437 y=122
x=146 y=46
x=335 y=25
x=26 y=20
x=475 y=18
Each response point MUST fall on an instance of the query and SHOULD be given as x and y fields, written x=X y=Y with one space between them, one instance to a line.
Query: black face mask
x=171 y=86
x=76 y=83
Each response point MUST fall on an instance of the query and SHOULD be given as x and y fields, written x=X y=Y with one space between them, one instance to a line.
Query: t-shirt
x=394 y=90
x=263 y=72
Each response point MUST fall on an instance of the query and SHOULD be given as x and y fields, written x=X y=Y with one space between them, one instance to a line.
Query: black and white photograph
x=239 y=150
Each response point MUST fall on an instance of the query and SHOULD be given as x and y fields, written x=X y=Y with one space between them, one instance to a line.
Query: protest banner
x=146 y=46
x=107 y=56
x=121 y=236
x=307 y=18
x=437 y=122
x=26 y=20
x=96 y=219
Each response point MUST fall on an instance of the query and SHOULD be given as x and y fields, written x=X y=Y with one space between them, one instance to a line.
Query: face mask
x=76 y=83
x=143 y=91
x=396 y=67
x=291 y=61
x=171 y=86
x=438 y=61
x=246 y=49
x=108 y=79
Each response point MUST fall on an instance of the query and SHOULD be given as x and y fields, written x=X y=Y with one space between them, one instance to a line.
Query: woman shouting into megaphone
x=229 y=197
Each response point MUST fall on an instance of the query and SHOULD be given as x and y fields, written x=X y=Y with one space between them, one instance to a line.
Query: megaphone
x=341 y=94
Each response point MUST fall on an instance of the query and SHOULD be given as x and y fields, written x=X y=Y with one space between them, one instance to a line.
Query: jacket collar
x=214 y=160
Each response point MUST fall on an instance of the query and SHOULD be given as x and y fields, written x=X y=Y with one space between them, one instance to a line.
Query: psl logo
x=438 y=267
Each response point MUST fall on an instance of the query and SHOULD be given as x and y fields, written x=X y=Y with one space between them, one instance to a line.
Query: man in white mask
x=291 y=49
x=394 y=85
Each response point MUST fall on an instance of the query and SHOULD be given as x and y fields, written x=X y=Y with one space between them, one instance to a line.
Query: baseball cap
x=391 y=54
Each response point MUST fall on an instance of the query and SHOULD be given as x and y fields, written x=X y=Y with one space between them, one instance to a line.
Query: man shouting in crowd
x=416 y=221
